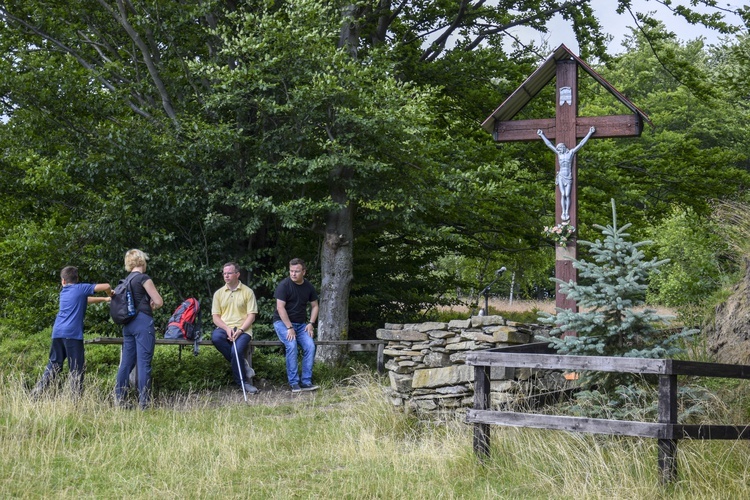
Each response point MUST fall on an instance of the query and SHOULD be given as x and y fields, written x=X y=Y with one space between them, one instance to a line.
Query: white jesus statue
x=564 y=177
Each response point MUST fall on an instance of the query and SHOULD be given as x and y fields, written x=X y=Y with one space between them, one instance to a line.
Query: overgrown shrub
x=697 y=265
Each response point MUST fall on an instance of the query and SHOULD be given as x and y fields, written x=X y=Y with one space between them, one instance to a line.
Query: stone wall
x=426 y=361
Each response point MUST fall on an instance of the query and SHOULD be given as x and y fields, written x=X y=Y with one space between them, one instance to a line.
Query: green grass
x=346 y=441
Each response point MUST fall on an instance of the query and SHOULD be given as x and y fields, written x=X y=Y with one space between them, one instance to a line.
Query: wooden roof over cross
x=499 y=123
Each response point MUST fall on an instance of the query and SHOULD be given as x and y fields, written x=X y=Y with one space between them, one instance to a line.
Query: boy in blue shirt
x=67 y=331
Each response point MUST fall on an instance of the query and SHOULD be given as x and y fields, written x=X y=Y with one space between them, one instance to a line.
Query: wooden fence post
x=668 y=415
x=482 y=402
x=381 y=358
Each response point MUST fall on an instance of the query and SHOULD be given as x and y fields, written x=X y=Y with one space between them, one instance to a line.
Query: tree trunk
x=337 y=262
x=337 y=256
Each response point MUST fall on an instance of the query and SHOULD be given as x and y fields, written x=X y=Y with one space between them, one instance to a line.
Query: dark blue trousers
x=226 y=348
x=138 y=343
x=62 y=349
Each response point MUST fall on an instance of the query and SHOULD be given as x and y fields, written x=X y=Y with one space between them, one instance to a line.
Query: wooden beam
x=610 y=126
x=566 y=115
x=541 y=355
x=257 y=343
x=703 y=369
x=568 y=362
x=368 y=345
x=523 y=130
x=730 y=432
x=606 y=127
x=566 y=423
x=564 y=269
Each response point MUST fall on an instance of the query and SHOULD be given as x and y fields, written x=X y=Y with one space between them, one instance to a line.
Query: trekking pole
x=239 y=367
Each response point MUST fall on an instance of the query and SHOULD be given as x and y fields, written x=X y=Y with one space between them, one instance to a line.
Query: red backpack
x=185 y=323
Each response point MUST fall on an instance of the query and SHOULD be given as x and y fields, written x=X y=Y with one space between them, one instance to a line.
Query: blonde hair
x=135 y=258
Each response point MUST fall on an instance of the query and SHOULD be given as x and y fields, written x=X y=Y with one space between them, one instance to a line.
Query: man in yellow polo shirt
x=233 y=311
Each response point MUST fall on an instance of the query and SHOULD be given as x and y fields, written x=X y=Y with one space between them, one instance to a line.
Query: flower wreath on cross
x=560 y=233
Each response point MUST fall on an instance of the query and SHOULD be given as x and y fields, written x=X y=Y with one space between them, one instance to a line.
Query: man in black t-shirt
x=292 y=327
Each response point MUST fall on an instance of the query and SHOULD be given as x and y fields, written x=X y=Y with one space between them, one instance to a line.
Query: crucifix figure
x=565 y=128
x=564 y=177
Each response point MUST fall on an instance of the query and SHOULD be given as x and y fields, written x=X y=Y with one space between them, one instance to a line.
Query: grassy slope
x=346 y=441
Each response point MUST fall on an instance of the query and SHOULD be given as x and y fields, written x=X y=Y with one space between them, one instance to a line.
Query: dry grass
x=548 y=306
x=505 y=305
x=343 y=442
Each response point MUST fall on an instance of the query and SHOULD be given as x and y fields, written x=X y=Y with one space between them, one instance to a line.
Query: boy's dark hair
x=69 y=274
x=297 y=262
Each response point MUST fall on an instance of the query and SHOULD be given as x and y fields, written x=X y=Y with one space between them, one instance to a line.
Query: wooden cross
x=566 y=128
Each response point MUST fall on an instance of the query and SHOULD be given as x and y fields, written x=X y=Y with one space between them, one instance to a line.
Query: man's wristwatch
x=290 y=328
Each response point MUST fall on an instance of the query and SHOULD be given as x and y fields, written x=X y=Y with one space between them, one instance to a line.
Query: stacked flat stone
x=426 y=361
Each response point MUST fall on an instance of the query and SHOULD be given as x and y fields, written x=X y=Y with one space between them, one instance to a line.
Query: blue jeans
x=138 y=342
x=227 y=349
x=307 y=346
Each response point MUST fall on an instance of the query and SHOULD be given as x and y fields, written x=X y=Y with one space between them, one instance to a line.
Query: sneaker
x=121 y=404
x=309 y=387
x=296 y=388
x=250 y=388
x=249 y=372
x=36 y=393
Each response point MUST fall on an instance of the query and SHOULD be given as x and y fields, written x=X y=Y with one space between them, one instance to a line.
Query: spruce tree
x=610 y=295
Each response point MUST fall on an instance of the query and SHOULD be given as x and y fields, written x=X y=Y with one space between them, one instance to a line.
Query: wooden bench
x=352 y=346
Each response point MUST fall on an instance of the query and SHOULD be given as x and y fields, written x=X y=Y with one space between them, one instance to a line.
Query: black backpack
x=122 y=305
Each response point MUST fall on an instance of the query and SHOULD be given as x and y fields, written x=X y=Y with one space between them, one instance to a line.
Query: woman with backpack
x=138 y=334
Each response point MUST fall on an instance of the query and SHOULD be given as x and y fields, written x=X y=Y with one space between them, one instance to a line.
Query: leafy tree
x=183 y=128
x=733 y=69
x=697 y=265
x=695 y=153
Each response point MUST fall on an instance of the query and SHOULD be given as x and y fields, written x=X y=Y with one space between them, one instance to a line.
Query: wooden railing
x=666 y=430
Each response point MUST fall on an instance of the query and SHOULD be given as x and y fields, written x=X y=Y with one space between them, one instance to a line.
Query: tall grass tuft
x=343 y=442
x=733 y=221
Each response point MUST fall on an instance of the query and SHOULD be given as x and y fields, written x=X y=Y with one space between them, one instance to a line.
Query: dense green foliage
x=697 y=150
x=698 y=264
x=256 y=131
